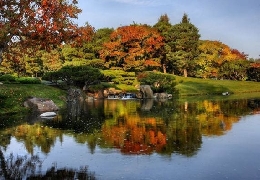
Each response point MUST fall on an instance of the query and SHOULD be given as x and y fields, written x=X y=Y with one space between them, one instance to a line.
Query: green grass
x=12 y=96
x=194 y=86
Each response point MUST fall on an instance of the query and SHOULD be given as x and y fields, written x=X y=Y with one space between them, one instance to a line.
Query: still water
x=136 y=139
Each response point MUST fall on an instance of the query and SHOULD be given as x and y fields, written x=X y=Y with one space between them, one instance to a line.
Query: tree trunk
x=1 y=54
x=164 y=69
x=185 y=73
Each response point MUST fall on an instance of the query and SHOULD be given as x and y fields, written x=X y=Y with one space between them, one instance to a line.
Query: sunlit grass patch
x=12 y=96
x=196 y=86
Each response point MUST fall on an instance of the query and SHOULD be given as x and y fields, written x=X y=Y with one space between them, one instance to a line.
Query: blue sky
x=236 y=23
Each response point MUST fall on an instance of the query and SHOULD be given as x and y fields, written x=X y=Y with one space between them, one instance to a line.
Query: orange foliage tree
x=133 y=47
x=213 y=54
x=40 y=24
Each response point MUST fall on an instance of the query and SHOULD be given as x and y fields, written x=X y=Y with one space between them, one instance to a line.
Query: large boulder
x=112 y=91
x=40 y=104
x=146 y=91
x=147 y=104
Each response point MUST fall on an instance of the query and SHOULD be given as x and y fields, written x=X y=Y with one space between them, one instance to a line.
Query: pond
x=137 y=139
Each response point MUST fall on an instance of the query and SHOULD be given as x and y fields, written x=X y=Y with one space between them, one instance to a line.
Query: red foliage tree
x=133 y=47
x=40 y=24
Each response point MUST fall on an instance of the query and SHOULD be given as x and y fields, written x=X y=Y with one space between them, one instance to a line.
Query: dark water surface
x=135 y=139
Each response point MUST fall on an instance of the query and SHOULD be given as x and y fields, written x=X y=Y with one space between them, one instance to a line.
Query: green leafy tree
x=101 y=36
x=79 y=76
x=253 y=72
x=33 y=66
x=234 y=70
x=51 y=60
x=184 y=46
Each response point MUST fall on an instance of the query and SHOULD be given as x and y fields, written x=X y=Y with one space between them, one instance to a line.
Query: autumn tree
x=134 y=47
x=38 y=24
x=209 y=60
x=213 y=55
x=184 y=45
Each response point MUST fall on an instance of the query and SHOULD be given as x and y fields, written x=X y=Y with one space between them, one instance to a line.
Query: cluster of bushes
x=10 y=79
x=79 y=76
x=94 y=79
x=118 y=76
x=159 y=82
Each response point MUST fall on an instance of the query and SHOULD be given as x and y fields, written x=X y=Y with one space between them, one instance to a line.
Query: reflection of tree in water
x=24 y=167
x=135 y=127
x=182 y=124
x=32 y=135
x=66 y=173
x=133 y=136
x=80 y=118
x=254 y=105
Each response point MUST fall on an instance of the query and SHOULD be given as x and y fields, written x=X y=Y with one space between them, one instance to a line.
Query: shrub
x=159 y=82
x=28 y=80
x=7 y=78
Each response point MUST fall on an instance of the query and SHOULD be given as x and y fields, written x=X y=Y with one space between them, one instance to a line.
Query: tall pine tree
x=164 y=26
x=184 y=46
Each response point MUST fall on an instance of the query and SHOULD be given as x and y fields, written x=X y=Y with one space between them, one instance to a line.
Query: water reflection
x=134 y=126
x=24 y=167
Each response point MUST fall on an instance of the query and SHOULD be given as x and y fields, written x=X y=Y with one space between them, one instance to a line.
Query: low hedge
x=10 y=79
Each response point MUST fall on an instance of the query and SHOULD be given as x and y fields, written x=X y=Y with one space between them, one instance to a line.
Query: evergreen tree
x=184 y=46
x=163 y=26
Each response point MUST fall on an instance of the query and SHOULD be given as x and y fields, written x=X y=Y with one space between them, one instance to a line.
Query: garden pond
x=136 y=139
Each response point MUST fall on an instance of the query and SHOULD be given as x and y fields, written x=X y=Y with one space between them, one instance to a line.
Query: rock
x=162 y=96
x=111 y=91
x=41 y=104
x=99 y=94
x=147 y=104
x=48 y=115
x=146 y=92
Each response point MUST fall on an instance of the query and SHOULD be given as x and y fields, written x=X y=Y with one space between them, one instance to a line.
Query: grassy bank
x=12 y=96
x=194 y=86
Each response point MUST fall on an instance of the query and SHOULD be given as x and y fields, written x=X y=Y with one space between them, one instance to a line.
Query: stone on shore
x=41 y=104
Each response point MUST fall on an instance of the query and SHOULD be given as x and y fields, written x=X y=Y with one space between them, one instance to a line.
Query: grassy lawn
x=194 y=86
x=12 y=96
